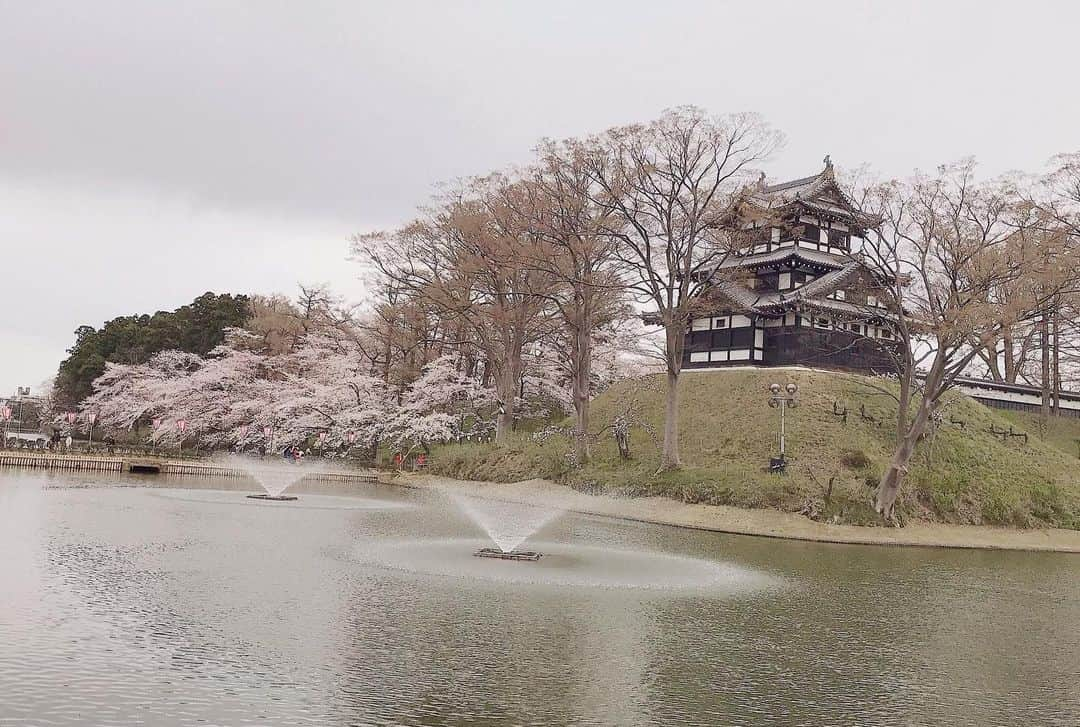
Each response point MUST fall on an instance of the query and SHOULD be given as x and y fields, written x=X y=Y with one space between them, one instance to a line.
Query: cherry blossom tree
x=444 y=404
x=232 y=395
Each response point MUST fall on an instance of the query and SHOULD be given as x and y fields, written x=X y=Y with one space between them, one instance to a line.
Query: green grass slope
x=1061 y=432
x=963 y=474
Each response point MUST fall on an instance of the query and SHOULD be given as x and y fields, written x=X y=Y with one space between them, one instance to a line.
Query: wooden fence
x=84 y=463
x=88 y=463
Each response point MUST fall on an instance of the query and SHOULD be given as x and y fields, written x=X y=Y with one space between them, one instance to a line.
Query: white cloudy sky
x=150 y=151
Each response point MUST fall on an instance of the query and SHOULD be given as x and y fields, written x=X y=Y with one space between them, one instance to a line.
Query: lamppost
x=181 y=426
x=782 y=398
x=268 y=432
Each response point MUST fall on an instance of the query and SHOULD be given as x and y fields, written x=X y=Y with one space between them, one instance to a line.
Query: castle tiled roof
x=818 y=193
x=815 y=257
x=812 y=295
x=830 y=281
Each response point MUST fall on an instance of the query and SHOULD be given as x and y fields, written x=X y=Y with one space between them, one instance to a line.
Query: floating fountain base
x=507 y=554
x=275 y=498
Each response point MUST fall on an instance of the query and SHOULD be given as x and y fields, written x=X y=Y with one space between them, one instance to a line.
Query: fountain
x=274 y=477
x=530 y=555
x=567 y=565
x=507 y=524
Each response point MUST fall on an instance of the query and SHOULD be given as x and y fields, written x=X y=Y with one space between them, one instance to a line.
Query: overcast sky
x=151 y=151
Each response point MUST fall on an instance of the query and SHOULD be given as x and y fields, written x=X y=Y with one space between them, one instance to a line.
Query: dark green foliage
x=195 y=328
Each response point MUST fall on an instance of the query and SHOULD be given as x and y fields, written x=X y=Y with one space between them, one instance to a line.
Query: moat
x=179 y=601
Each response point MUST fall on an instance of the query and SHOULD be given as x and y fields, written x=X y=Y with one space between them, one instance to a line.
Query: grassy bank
x=964 y=474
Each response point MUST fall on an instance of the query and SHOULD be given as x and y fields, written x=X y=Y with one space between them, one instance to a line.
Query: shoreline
x=759 y=523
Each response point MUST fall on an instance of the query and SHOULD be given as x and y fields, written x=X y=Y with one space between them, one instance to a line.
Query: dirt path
x=768 y=523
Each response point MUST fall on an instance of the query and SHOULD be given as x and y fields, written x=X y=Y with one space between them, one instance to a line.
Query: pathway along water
x=126 y=604
x=742 y=521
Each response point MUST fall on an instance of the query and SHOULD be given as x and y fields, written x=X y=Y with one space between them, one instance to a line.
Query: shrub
x=855 y=459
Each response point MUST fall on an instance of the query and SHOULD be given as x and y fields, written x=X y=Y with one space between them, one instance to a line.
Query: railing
x=169 y=467
x=84 y=463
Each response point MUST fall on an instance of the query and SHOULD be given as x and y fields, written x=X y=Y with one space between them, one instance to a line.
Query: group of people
x=292 y=453
x=57 y=441
x=419 y=463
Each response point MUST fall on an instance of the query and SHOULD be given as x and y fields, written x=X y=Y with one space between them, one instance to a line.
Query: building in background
x=801 y=292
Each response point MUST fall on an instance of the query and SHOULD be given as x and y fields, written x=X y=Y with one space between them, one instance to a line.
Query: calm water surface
x=129 y=601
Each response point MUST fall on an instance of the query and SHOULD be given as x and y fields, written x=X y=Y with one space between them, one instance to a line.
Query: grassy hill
x=963 y=474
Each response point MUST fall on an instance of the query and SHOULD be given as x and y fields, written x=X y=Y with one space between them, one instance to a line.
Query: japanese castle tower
x=801 y=293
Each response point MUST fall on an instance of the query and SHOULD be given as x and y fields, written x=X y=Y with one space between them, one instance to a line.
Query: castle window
x=742 y=338
x=785 y=281
x=700 y=338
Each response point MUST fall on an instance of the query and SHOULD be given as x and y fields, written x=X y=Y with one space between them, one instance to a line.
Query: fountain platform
x=508 y=554
x=275 y=498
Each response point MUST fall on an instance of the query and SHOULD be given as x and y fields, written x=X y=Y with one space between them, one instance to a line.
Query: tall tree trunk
x=904 y=401
x=893 y=476
x=908 y=436
x=669 y=458
x=504 y=421
x=1010 y=356
x=1044 y=335
x=1055 y=364
x=582 y=363
x=507 y=381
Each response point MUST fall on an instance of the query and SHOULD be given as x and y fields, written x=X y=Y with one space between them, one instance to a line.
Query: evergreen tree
x=194 y=328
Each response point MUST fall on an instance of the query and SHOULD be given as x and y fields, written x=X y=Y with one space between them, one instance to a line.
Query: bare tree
x=968 y=268
x=670 y=190
x=468 y=260
x=554 y=200
x=1055 y=199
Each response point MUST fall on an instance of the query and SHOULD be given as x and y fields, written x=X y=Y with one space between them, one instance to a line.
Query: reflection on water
x=570 y=565
x=155 y=601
